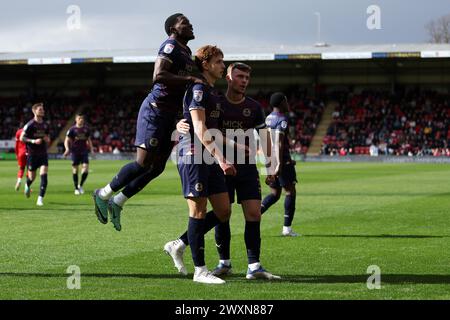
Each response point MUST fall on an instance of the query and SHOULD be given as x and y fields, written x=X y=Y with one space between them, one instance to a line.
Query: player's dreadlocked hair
x=170 y=22
x=205 y=53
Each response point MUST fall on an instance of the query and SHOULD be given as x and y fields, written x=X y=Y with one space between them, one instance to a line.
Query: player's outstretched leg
x=175 y=249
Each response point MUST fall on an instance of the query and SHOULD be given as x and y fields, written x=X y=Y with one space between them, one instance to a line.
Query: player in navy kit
x=156 y=121
x=285 y=174
x=36 y=136
x=78 y=143
x=244 y=115
x=203 y=179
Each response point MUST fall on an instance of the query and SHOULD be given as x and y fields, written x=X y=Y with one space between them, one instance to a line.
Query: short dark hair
x=205 y=53
x=240 y=66
x=277 y=99
x=170 y=22
x=80 y=115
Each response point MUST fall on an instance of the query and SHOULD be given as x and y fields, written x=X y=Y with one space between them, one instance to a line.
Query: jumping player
x=78 y=143
x=156 y=121
x=21 y=155
x=36 y=136
x=286 y=176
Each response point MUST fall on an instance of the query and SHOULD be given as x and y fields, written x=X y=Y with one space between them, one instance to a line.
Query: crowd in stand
x=369 y=123
x=376 y=123
x=112 y=121
x=16 y=112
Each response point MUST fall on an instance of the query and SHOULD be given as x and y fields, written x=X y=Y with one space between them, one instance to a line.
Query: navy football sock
x=197 y=240
x=211 y=221
x=223 y=240
x=75 y=180
x=43 y=185
x=252 y=237
x=268 y=201
x=29 y=182
x=128 y=172
x=289 y=210
x=83 y=178
x=138 y=183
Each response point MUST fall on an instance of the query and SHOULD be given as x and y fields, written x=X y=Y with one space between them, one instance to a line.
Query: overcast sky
x=41 y=25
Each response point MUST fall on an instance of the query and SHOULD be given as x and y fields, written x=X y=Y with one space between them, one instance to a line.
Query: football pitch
x=351 y=216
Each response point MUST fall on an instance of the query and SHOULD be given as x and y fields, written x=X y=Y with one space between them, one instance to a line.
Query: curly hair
x=206 y=53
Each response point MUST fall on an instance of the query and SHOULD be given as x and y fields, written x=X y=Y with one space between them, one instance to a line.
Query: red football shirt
x=21 y=148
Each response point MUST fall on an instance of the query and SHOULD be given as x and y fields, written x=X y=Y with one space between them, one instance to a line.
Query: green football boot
x=114 y=213
x=101 y=207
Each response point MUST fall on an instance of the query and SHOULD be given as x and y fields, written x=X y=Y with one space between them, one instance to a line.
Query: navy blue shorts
x=200 y=180
x=79 y=158
x=288 y=177
x=154 y=129
x=34 y=162
x=245 y=184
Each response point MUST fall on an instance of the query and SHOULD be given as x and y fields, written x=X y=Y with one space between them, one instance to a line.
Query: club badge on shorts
x=153 y=142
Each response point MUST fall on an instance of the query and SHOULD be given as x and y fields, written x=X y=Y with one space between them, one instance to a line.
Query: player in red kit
x=21 y=155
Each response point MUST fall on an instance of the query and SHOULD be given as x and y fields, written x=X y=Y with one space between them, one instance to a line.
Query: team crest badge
x=199 y=187
x=284 y=124
x=168 y=48
x=246 y=112
x=198 y=95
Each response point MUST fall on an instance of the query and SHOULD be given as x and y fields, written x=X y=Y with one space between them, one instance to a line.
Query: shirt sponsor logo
x=233 y=124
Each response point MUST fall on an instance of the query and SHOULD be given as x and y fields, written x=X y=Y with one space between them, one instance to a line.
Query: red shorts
x=22 y=160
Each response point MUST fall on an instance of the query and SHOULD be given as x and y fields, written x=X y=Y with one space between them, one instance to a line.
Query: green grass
x=351 y=216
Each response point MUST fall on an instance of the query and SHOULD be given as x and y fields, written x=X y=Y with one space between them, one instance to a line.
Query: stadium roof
x=325 y=52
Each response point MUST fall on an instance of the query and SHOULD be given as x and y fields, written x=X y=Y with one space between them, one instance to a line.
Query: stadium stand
x=380 y=123
x=369 y=123
x=112 y=118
